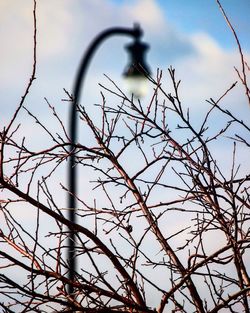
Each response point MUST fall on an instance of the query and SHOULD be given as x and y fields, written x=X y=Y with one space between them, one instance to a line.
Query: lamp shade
x=137 y=70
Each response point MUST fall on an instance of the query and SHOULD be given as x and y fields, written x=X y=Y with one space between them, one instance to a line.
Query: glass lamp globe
x=137 y=70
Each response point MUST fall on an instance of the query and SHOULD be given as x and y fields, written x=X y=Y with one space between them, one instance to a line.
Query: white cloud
x=54 y=25
x=16 y=41
x=146 y=12
x=206 y=45
x=209 y=72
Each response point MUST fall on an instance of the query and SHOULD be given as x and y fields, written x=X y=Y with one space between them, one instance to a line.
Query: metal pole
x=136 y=33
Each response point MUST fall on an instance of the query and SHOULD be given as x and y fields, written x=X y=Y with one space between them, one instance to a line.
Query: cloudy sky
x=192 y=36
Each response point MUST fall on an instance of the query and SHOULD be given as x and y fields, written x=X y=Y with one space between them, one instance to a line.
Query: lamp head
x=137 y=70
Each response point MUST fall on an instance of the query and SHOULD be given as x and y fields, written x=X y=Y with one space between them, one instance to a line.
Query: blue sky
x=192 y=36
x=190 y=16
x=179 y=32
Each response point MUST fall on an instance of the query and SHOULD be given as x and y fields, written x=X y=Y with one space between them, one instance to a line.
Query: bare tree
x=167 y=223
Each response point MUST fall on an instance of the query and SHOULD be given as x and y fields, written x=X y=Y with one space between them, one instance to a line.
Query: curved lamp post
x=135 y=71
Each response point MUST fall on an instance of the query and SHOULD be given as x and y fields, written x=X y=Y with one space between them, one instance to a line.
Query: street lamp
x=135 y=72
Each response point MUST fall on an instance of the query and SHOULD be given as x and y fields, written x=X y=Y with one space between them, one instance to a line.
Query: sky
x=192 y=36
